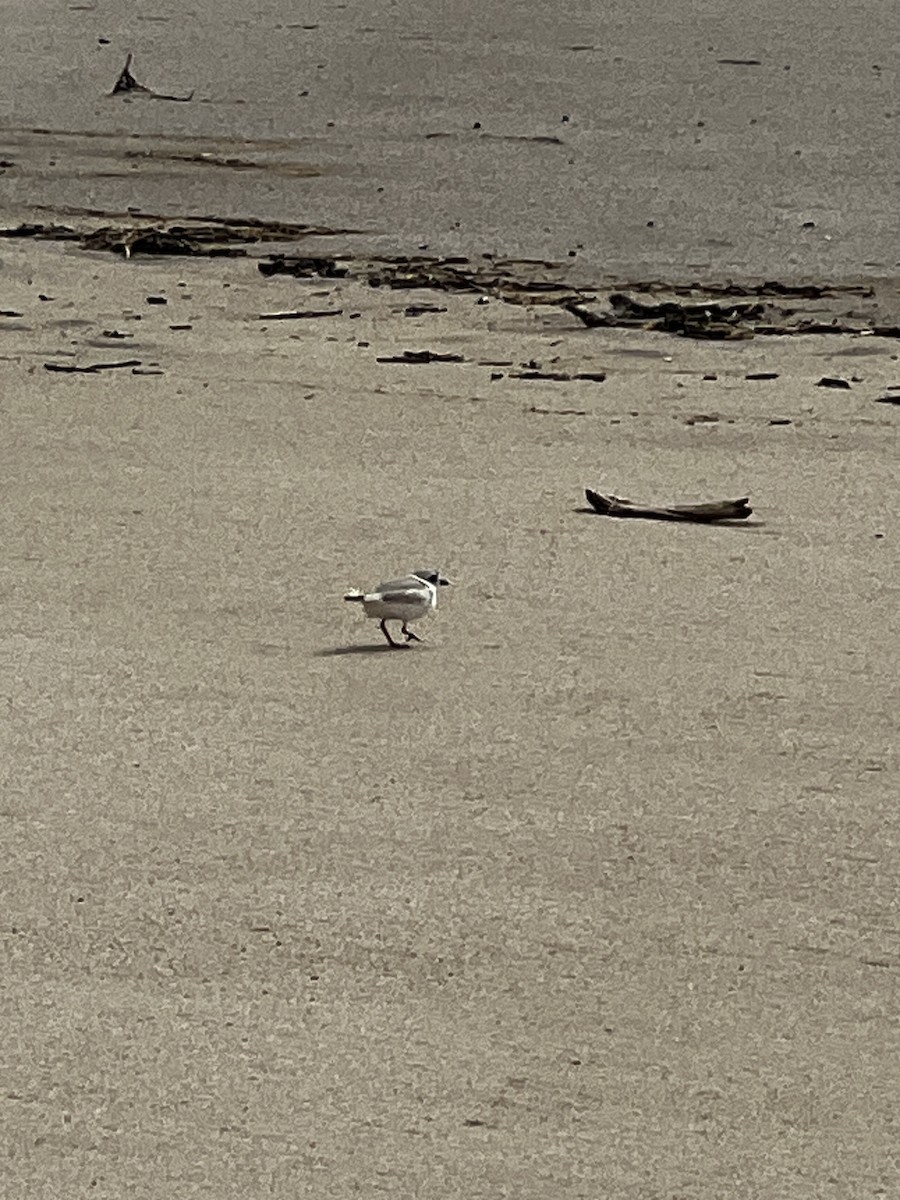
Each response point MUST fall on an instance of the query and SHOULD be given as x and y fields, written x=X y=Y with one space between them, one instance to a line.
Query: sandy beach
x=592 y=893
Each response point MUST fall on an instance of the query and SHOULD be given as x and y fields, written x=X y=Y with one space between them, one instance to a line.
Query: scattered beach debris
x=126 y=84
x=716 y=511
x=300 y=314
x=157 y=300
x=833 y=381
x=419 y=310
x=551 y=376
x=713 y=310
x=888 y=399
x=304 y=266
x=710 y=310
x=9 y=312
x=50 y=233
x=153 y=233
x=516 y=281
x=712 y=319
x=115 y=334
x=559 y=376
x=725 y=312
x=740 y=62
x=421 y=356
x=780 y=421
x=761 y=375
x=541 y=139
x=188 y=241
x=70 y=368
x=558 y=412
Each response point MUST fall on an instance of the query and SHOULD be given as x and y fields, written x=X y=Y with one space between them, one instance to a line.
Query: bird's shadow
x=375 y=648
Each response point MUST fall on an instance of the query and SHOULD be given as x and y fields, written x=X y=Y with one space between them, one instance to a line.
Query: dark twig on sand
x=71 y=369
x=301 y=314
x=421 y=356
x=126 y=83
x=718 y=510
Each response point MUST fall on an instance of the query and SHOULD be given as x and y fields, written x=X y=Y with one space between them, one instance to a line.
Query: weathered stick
x=717 y=510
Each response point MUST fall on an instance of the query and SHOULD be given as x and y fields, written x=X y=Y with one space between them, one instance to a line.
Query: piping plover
x=404 y=600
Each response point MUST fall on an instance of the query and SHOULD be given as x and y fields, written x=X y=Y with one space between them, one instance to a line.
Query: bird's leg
x=384 y=629
x=408 y=634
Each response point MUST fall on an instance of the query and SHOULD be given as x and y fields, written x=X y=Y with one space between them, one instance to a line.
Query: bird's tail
x=354 y=595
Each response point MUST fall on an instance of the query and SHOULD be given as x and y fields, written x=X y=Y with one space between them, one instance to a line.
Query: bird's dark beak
x=442 y=582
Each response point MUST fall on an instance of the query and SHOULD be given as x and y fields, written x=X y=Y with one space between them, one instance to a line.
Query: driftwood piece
x=127 y=84
x=717 y=510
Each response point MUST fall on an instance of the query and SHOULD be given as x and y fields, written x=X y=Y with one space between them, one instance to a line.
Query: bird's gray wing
x=395 y=595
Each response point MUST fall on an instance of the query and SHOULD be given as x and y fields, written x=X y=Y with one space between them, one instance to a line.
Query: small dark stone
x=157 y=300
x=833 y=382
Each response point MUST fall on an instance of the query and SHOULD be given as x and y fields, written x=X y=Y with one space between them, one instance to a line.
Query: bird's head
x=435 y=578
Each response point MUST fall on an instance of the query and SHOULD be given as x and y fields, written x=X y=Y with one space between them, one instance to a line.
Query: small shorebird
x=404 y=600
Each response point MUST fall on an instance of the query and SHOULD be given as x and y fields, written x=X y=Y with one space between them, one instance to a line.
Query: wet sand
x=730 y=160
x=590 y=894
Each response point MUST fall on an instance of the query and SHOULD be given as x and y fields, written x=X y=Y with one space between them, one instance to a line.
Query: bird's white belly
x=382 y=611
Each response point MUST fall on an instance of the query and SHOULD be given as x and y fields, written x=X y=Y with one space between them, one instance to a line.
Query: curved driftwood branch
x=717 y=510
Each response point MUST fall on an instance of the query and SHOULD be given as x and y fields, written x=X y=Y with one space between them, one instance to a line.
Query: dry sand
x=591 y=895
